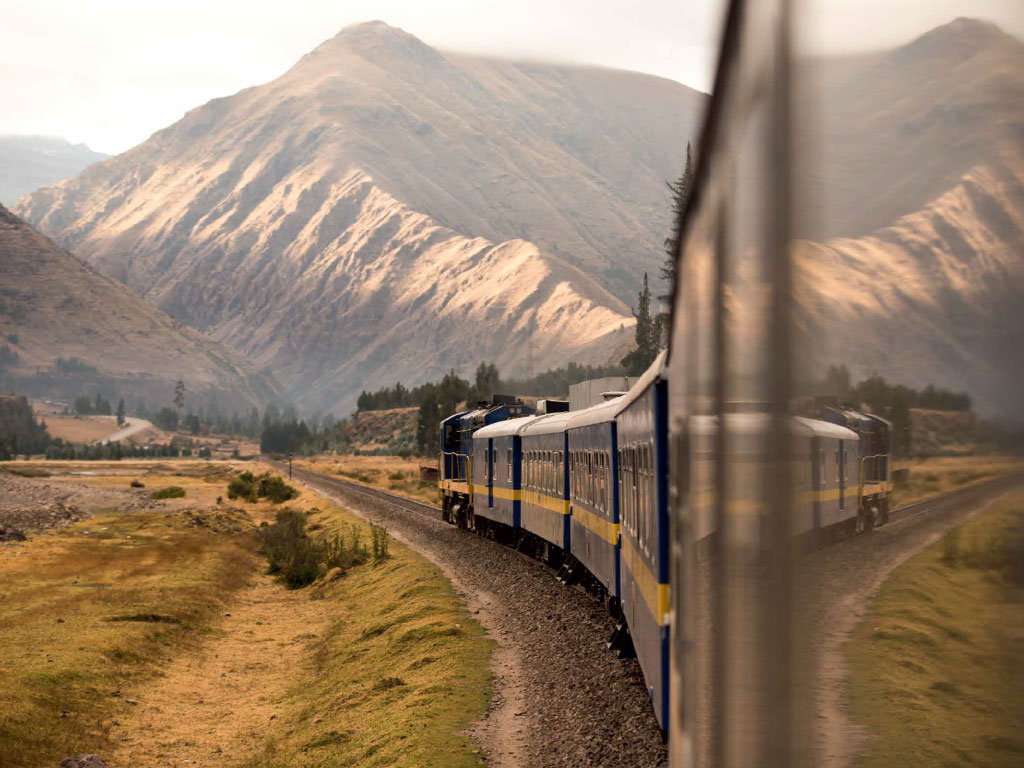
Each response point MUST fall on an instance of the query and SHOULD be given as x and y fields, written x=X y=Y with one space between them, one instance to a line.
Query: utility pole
x=290 y=466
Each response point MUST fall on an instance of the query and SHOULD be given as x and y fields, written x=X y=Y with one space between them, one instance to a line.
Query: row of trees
x=889 y=400
x=85 y=406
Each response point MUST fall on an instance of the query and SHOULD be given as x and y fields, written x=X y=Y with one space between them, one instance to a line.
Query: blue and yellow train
x=588 y=492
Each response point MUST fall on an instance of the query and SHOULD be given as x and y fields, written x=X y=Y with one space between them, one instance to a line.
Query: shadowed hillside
x=54 y=306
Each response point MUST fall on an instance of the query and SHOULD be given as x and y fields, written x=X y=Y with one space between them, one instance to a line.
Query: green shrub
x=250 y=487
x=379 y=542
x=170 y=492
x=274 y=487
x=298 y=558
x=242 y=486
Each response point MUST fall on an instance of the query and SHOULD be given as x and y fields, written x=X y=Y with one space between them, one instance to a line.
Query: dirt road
x=132 y=427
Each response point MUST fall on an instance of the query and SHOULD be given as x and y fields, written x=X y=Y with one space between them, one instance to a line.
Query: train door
x=841 y=472
x=490 y=472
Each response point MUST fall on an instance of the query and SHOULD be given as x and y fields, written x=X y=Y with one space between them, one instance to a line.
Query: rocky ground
x=30 y=505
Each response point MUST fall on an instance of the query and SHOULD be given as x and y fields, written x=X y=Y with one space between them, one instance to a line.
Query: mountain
x=913 y=209
x=893 y=131
x=385 y=211
x=54 y=306
x=30 y=162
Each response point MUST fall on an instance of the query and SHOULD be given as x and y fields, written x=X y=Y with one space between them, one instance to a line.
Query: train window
x=821 y=464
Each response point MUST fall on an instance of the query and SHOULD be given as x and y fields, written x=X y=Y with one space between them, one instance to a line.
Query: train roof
x=756 y=423
x=595 y=414
x=454 y=417
x=503 y=428
x=546 y=425
x=819 y=428
x=652 y=374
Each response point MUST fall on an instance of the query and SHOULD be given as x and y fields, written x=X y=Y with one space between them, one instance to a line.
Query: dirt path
x=214 y=705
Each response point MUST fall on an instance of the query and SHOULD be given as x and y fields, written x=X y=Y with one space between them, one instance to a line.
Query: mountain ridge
x=28 y=162
x=360 y=159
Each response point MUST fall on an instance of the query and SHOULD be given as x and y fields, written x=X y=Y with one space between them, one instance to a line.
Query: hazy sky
x=111 y=72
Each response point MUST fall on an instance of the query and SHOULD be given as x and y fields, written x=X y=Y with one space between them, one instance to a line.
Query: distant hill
x=385 y=212
x=917 y=206
x=30 y=162
x=54 y=306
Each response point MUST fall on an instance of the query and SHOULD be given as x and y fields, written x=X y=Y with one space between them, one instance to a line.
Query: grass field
x=932 y=476
x=98 y=607
x=937 y=665
x=107 y=623
x=392 y=473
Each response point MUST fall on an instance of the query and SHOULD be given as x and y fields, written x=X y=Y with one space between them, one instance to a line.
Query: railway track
x=365 y=491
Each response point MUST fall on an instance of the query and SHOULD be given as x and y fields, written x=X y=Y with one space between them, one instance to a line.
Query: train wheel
x=446 y=509
x=883 y=516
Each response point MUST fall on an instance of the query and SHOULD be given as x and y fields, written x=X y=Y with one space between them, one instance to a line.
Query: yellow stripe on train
x=509 y=494
x=607 y=530
x=655 y=593
x=537 y=499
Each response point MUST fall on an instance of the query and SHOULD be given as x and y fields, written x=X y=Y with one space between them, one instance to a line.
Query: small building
x=591 y=392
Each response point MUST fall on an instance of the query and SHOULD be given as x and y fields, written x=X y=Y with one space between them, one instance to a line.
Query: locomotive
x=588 y=492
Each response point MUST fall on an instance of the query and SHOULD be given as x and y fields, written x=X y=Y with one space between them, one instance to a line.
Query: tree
x=646 y=335
x=120 y=412
x=428 y=425
x=487 y=379
x=681 y=190
x=179 y=395
x=167 y=419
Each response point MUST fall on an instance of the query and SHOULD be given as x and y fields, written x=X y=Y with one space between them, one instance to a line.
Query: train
x=588 y=492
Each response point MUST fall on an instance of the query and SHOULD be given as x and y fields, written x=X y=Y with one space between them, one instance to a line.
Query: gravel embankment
x=562 y=698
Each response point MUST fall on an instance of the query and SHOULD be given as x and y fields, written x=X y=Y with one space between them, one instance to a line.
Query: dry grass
x=399 y=674
x=937 y=666
x=81 y=429
x=79 y=607
x=383 y=666
x=392 y=473
x=932 y=476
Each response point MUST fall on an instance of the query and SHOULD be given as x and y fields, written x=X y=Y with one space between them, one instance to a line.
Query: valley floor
x=149 y=634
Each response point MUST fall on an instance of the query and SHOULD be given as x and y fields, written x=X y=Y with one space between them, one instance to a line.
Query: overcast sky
x=111 y=72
